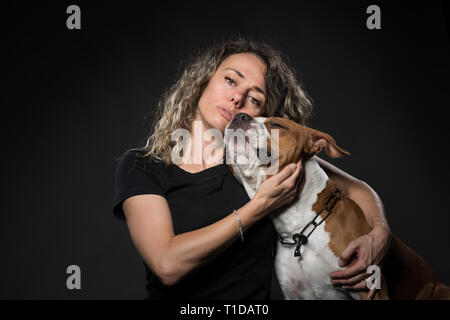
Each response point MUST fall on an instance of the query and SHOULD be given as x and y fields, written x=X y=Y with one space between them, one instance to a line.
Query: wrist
x=382 y=228
x=381 y=233
x=257 y=206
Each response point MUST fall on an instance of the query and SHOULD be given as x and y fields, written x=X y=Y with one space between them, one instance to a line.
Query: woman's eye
x=255 y=101
x=233 y=83
x=229 y=80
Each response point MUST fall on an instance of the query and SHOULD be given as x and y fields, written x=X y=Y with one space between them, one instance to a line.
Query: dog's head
x=257 y=148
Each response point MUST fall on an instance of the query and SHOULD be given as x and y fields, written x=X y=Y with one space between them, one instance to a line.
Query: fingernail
x=293 y=166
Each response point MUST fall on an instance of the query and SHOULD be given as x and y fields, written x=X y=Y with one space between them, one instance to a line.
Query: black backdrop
x=74 y=100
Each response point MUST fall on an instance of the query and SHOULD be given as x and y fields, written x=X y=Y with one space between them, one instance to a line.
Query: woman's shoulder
x=132 y=155
x=137 y=159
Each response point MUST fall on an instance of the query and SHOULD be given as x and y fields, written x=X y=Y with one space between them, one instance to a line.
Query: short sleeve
x=134 y=177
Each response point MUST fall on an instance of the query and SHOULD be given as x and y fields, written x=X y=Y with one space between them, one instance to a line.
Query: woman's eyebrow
x=243 y=77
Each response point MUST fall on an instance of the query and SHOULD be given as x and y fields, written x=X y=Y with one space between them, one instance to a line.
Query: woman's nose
x=236 y=100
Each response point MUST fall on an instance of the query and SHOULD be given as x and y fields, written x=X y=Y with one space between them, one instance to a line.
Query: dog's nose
x=242 y=117
x=240 y=120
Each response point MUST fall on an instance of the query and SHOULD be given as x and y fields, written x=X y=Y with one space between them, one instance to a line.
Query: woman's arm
x=360 y=192
x=170 y=256
x=370 y=248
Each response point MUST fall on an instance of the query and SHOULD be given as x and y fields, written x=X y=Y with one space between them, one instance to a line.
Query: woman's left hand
x=369 y=250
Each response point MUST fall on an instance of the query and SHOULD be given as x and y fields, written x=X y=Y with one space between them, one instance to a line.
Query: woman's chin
x=218 y=124
x=221 y=125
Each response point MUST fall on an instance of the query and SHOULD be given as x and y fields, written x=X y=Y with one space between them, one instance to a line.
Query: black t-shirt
x=196 y=200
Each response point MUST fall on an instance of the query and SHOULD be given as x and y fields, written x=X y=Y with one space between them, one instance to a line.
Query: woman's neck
x=205 y=151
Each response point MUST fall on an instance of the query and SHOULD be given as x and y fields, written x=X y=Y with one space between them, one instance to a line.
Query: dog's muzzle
x=241 y=121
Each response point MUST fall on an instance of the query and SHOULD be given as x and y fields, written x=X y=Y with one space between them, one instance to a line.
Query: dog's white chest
x=306 y=277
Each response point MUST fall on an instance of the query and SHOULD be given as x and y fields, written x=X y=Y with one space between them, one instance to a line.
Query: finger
x=292 y=180
x=347 y=253
x=300 y=164
x=348 y=273
x=299 y=177
x=371 y=293
x=287 y=171
x=351 y=281
x=359 y=286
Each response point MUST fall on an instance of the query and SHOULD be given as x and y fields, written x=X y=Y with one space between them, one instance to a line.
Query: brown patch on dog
x=292 y=138
x=409 y=276
x=405 y=274
x=300 y=142
x=346 y=221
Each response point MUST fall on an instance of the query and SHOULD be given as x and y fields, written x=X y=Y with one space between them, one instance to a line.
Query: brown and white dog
x=405 y=275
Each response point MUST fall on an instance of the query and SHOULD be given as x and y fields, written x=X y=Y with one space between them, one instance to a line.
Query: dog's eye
x=277 y=125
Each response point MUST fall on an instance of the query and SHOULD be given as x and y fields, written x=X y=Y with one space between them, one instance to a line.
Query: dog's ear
x=317 y=140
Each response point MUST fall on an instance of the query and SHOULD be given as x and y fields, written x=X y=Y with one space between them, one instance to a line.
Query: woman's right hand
x=280 y=189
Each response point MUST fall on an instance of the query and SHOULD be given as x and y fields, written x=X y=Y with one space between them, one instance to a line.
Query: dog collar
x=302 y=239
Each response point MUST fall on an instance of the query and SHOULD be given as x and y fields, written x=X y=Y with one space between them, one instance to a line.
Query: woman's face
x=237 y=86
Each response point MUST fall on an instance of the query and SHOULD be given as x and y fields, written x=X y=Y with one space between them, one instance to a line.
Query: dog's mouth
x=241 y=142
x=245 y=139
x=244 y=144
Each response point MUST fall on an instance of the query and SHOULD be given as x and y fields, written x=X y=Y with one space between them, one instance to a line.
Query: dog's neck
x=314 y=179
x=294 y=217
x=249 y=179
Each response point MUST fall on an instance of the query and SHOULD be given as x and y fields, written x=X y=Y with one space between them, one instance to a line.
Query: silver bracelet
x=240 y=226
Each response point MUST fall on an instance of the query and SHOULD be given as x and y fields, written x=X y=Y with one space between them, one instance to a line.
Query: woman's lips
x=225 y=113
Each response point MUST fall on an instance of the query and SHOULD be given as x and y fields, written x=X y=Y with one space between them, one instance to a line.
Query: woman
x=181 y=217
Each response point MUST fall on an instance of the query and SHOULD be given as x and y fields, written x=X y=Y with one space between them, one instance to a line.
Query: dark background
x=74 y=100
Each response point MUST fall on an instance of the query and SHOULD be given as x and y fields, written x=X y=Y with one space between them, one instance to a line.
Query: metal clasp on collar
x=301 y=239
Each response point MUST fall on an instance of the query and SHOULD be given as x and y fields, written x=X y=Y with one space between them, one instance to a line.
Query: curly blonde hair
x=178 y=105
